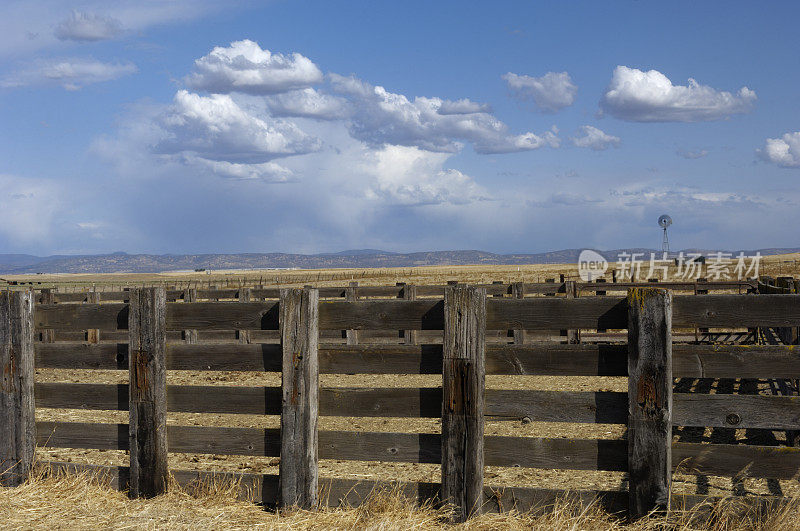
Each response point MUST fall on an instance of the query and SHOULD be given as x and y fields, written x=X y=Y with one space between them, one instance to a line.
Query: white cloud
x=595 y=139
x=380 y=117
x=463 y=106
x=22 y=220
x=784 y=151
x=216 y=128
x=650 y=96
x=72 y=74
x=87 y=27
x=266 y=171
x=307 y=103
x=692 y=154
x=411 y=176
x=245 y=67
x=551 y=92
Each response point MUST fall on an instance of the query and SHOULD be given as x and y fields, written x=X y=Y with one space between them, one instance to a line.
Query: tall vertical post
x=17 y=416
x=351 y=295
x=93 y=334
x=48 y=297
x=649 y=399
x=299 y=328
x=571 y=291
x=148 y=392
x=600 y=293
x=244 y=335
x=518 y=292
x=463 y=383
x=190 y=295
x=409 y=294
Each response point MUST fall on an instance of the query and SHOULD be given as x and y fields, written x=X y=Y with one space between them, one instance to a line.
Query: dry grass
x=83 y=501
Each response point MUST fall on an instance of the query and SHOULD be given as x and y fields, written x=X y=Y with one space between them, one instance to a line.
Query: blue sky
x=196 y=126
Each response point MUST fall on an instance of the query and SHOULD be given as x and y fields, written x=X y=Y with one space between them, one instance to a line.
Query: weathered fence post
x=351 y=295
x=409 y=294
x=48 y=335
x=649 y=399
x=518 y=292
x=463 y=382
x=148 y=392
x=299 y=328
x=190 y=295
x=17 y=416
x=93 y=334
x=571 y=292
x=243 y=335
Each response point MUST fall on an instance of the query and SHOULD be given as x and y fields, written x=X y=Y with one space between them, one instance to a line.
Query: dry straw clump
x=85 y=501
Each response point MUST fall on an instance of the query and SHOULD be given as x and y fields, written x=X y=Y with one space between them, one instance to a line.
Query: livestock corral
x=491 y=396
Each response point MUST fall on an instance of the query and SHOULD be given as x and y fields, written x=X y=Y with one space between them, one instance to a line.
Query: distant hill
x=153 y=263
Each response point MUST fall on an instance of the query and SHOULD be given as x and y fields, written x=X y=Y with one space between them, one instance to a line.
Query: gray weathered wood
x=148 y=392
x=351 y=295
x=17 y=420
x=48 y=297
x=93 y=334
x=299 y=318
x=244 y=335
x=649 y=399
x=518 y=292
x=410 y=337
x=190 y=336
x=571 y=292
x=737 y=411
x=463 y=384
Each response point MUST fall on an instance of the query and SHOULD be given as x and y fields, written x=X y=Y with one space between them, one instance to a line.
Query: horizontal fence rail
x=150 y=331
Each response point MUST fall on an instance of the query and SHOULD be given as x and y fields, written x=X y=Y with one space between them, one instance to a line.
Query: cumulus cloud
x=551 y=92
x=244 y=67
x=72 y=74
x=463 y=106
x=784 y=151
x=216 y=128
x=87 y=27
x=266 y=171
x=595 y=139
x=411 y=176
x=380 y=117
x=307 y=103
x=638 y=96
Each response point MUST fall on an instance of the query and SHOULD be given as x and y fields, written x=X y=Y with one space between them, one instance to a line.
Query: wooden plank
x=735 y=361
x=112 y=316
x=148 y=393
x=17 y=410
x=649 y=399
x=223 y=315
x=299 y=325
x=737 y=310
x=553 y=313
x=545 y=406
x=542 y=359
x=737 y=460
x=463 y=383
x=737 y=411
x=82 y=435
x=382 y=315
x=410 y=337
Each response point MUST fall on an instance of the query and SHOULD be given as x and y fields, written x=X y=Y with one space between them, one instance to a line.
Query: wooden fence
x=650 y=361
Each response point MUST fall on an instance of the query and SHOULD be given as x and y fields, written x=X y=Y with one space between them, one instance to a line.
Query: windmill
x=664 y=221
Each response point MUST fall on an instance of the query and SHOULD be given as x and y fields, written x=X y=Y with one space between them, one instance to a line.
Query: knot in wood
x=733 y=419
x=647 y=396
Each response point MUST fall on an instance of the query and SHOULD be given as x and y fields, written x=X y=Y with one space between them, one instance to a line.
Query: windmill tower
x=665 y=221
